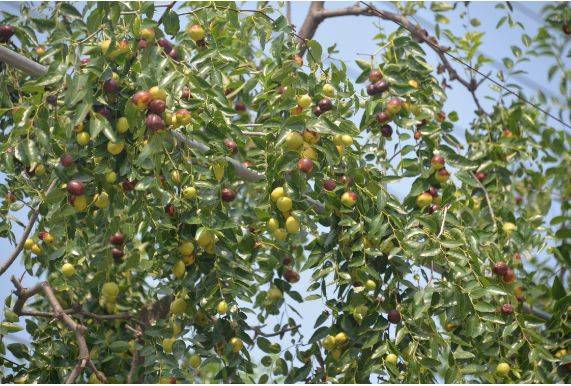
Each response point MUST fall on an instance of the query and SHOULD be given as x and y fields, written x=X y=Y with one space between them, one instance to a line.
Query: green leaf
x=484 y=307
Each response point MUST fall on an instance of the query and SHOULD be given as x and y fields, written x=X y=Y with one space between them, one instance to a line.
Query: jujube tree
x=184 y=166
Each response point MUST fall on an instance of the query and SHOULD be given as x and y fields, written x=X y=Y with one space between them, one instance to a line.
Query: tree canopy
x=184 y=165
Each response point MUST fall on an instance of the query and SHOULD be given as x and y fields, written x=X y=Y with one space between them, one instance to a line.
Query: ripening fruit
x=394 y=106
x=375 y=76
x=329 y=342
x=437 y=162
x=196 y=32
x=111 y=177
x=237 y=344
x=28 y=244
x=340 y=339
x=292 y=225
x=110 y=290
x=274 y=294
x=76 y=187
x=167 y=344
x=141 y=99
x=349 y=199
x=502 y=369
x=304 y=101
x=147 y=33
x=508 y=228
x=179 y=269
x=277 y=193
x=189 y=192
x=80 y=203
x=194 y=361
x=423 y=200
x=186 y=248
x=311 y=137
x=178 y=306
x=101 y=200
x=189 y=259
x=280 y=234
x=500 y=268
x=273 y=224
x=68 y=270
x=222 y=307
x=328 y=90
x=82 y=138
x=115 y=147
x=442 y=175
x=293 y=140
x=284 y=204
x=391 y=358
x=182 y=117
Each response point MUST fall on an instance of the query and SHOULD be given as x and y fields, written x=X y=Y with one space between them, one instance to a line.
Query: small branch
x=258 y=330
x=488 y=202
x=443 y=221
x=167 y=9
x=27 y=230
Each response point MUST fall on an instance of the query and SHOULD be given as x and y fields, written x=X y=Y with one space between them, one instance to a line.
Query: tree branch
x=27 y=230
x=24 y=294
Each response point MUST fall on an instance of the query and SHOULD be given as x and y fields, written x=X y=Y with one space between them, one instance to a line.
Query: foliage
x=433 y=265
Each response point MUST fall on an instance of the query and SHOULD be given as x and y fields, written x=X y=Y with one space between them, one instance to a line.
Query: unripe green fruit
x=110 y=290
x=280 y=234
x=293 y=141
x=111 y=177
x=370 y=285
x=277 y=193
x=178 y=306
x=273 y=224
x=274 y=295
x=222 y=307
x=329 y=342
x=502 y=369
x=328 y=90
x=284 y=204
x=186 y=248
x=195 y=361
x=189 y=192
x=167 y=344
x=68 y=270
x=179 y=269
x=82 y=138
x=509 y=227
x=237 y=344
x=391 y=358
x=341 y=338
x=304 y=101
x=292 y=225
x=122 y=125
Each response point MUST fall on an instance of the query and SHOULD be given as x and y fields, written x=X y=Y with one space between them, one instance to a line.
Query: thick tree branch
x=27 y=230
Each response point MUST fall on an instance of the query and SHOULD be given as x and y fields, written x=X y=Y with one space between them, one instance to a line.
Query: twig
x=20 y=245
x=443 y=221
x=167 y=9
x=488 y=202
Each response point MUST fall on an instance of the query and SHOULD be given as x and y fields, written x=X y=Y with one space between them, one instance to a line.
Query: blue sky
x=354 y=36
